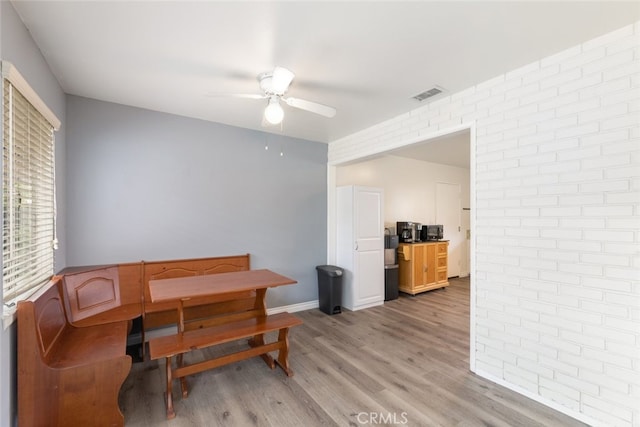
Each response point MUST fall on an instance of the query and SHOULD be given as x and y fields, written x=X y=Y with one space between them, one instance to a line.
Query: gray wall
x=150 y=186
x=17 y=46
x=145 y=185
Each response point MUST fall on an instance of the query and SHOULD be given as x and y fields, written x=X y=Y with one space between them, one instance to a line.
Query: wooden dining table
x=198 y=286
x=231 y=323
x=188 y=290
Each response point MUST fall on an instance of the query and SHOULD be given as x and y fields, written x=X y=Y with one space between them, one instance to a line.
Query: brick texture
x=557 y=211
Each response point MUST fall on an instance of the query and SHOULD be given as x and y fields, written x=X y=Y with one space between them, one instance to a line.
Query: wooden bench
x=72 y=334
x=67 y=375
x=162 y=314
x=96 y=295
x=253 y=328
x=102 y=294
x=238 y=312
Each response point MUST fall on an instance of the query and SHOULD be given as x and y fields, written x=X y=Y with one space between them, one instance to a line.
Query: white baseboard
x=301 y=306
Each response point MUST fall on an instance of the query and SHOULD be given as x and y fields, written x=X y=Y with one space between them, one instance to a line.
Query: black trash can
x=330 y=288
x=391 y=290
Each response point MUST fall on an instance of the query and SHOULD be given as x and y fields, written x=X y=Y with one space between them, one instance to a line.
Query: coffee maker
x=408 y=231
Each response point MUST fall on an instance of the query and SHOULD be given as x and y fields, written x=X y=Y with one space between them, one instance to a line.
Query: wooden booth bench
x=68 y=375
x=72 y=334
x=129 y=297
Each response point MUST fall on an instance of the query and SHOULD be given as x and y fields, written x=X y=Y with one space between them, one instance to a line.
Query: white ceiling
x=366 y=59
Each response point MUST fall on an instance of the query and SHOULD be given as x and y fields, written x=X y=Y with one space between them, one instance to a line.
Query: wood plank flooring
x=404 y=363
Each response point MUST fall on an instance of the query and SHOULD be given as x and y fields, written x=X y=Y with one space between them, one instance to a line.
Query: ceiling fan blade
x=314 y=107
x=236 y=95
x=281 y=80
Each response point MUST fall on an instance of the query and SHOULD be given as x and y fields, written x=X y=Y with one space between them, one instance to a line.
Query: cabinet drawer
x=441 y=276
x=442 y=262
x=442 y=248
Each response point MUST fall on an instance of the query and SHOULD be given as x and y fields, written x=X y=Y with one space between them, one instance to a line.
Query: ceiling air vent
x=429 y=93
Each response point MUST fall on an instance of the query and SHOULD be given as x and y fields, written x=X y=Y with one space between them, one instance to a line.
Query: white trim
x=402 y=144
x=302 y=306
x=9 y=315
x=472 y=247
x=332 y=220
x=10 y=73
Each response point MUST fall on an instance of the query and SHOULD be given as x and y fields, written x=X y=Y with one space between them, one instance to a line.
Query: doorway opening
x=417 y=176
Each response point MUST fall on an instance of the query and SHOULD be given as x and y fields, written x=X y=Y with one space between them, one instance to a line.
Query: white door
x=369 y=247
x=448 y=212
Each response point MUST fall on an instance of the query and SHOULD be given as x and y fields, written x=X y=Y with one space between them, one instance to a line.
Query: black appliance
x=390 y=247
x=431 y=232
x=408 y=231
x=391 y=290
x=390 y=265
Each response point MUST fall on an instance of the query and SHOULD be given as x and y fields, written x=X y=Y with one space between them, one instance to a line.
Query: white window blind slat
x=28 y=182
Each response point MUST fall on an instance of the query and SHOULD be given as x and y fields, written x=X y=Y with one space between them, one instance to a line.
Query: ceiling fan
x=274 y=84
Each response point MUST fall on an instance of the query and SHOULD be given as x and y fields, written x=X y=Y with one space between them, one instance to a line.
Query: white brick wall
x=557 y=175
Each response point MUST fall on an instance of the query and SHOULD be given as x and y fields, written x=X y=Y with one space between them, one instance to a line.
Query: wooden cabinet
x=423 y=266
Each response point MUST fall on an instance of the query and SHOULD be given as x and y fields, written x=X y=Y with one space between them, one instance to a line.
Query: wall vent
x=429 y=93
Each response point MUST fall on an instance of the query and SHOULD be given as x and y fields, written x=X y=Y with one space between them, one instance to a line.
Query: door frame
x=437 y=221
x=332 y=220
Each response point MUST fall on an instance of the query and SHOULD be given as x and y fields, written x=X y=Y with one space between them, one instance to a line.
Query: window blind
x=28 y=204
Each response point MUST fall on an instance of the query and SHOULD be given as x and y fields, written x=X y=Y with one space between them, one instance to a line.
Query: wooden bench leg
x=258 y=341
x=183 y=380
x=283 y=353
x=171 y=413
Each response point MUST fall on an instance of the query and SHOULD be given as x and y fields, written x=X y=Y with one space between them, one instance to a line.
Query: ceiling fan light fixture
x=274 y=112
x=280 y=80
x=274 y=85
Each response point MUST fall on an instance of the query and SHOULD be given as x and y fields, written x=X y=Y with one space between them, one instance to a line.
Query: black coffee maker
x=407 y=231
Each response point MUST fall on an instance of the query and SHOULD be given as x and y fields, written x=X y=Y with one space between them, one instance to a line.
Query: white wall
x=409 y=185
x=557 y=184
x=410 y=193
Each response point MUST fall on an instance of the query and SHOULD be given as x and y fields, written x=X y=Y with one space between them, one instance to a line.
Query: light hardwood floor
x=404 y=363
